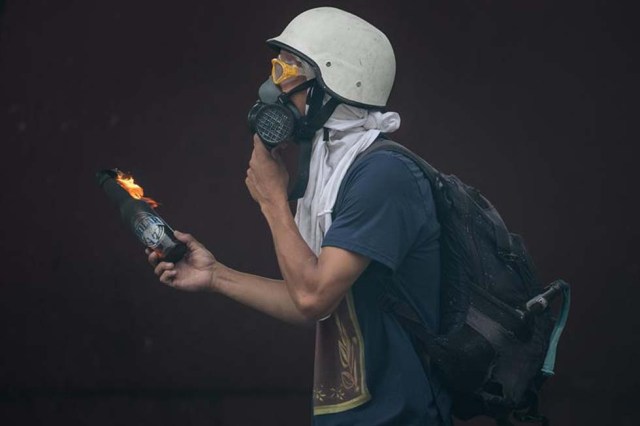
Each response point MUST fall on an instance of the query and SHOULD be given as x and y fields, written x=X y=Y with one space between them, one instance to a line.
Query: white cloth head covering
x=351 y=131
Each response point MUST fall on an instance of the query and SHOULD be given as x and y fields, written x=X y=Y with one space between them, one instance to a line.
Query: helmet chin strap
x=285 y=96
x=317 y=115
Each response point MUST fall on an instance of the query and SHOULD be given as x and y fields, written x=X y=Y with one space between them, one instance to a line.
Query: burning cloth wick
x=126 y=181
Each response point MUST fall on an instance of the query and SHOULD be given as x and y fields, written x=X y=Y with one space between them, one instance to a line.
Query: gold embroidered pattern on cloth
x=339 y=379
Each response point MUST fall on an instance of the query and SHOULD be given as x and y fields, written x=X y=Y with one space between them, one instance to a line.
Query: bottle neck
x=115 y=192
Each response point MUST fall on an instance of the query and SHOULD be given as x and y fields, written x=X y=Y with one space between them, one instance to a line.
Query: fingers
x=163 y=266
x=167 y=277
x=152 y=258
x=250 y=176
x=164 y=270
x=249 y=179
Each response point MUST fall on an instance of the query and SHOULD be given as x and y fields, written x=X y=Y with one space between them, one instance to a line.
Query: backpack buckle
x=508 y=256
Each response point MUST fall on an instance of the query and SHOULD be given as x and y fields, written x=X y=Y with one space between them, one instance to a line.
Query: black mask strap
x=299 y=88
x=317 y=120
x=313 y=122
x=315 y=100
x=304 y=161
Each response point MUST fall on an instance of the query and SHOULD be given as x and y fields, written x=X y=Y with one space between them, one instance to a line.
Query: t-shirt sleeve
x=382 y=210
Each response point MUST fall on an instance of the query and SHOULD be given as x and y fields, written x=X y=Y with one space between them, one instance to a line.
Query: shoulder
x=383 y=171
x=383 y=159
x=383 y=208
x=387 y=173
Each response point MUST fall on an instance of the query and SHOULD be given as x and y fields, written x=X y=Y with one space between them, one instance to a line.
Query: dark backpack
x=497 y=338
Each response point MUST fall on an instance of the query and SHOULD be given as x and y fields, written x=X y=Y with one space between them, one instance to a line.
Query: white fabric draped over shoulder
x=351 y=131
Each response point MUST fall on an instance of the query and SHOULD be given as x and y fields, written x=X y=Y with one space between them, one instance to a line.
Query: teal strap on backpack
x=550 y=359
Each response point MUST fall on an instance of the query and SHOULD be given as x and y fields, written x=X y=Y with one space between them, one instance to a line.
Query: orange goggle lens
x=281 y=71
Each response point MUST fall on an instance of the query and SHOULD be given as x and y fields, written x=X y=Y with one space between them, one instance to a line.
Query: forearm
x=263 y=294
x=298 y=263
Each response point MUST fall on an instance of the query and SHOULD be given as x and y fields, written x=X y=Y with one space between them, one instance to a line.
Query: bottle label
x=149 y=229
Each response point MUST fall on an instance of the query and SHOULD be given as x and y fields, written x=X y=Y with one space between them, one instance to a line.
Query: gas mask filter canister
x=274 y=117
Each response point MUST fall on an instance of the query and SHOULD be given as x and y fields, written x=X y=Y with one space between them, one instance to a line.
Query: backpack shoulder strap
x=501 y=234
x=384 y=144
x=388 y=300
x=388 y=145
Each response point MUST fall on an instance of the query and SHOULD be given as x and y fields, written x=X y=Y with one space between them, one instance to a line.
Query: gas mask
x=274 y=117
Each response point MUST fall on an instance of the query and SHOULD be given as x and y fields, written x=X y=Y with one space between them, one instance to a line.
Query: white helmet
x=352 y=59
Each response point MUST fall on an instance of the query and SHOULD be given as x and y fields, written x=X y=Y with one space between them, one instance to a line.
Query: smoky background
x=529 y=101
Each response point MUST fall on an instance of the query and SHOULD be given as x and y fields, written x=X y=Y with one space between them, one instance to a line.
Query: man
x=337 y=260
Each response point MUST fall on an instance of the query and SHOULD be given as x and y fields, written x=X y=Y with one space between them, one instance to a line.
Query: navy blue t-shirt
x=388 y=215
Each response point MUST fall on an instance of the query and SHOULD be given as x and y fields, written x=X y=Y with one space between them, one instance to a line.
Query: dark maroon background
x=501 y=93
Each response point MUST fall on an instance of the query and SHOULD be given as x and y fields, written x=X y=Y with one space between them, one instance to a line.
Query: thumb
x=258 y=145
x=188 y=239
x=276 y=153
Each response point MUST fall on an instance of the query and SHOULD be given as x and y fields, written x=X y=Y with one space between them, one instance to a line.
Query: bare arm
x=316 y=284
x=200 y=271
x=313 y=286
x=264 y=294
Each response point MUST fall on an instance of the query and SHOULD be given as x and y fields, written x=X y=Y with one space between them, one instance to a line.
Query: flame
x=126 y=181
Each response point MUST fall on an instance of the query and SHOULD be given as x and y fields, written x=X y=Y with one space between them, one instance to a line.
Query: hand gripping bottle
x=146 y=224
